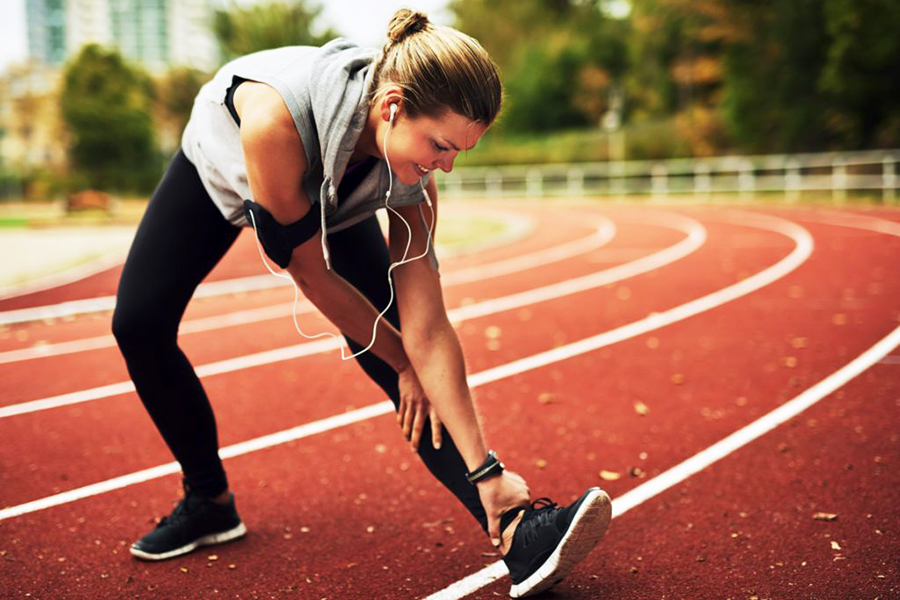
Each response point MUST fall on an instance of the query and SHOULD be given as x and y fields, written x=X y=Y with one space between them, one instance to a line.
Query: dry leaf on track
x=641 y=408
x=823 y=516
x=609 y=475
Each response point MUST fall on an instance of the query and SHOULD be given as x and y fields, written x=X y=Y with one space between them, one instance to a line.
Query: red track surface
x=350 y=513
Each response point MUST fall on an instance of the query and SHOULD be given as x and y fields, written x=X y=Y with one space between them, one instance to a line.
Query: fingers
x=436 y=430
x=417 y=427
x=494 y=530
x=408 y=416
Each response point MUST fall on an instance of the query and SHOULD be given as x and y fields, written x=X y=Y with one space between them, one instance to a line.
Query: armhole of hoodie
x=229 y=98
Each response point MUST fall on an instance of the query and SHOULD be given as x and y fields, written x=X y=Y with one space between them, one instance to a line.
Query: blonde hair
x=438 y=68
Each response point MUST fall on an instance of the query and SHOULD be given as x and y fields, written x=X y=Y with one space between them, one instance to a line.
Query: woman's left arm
x=428 y=337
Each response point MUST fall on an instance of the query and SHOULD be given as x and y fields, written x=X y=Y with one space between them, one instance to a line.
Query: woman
x=304 y=144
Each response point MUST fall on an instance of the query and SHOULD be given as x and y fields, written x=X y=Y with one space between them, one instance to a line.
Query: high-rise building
x=46 y=25
x=156 y=34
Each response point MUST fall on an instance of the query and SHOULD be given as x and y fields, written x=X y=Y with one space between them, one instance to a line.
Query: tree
x=107 y=105
x=243 y=30
x=175 y=93
x=558 y=57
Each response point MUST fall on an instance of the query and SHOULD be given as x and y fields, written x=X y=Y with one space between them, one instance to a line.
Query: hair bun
x=404 y=23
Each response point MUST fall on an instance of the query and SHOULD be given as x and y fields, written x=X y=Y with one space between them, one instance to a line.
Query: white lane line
x=890 y=360
x=704 y=458
x=515 y=226
x=803 y=247
x=606 y=231
x=790 y=409
x=696 y=235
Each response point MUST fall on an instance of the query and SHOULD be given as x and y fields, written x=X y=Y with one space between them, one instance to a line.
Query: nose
x=446 y=163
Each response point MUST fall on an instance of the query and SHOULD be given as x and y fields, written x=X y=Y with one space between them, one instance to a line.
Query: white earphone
x=393 y=266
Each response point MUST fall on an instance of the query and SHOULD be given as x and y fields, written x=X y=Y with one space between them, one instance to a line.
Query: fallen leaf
x=839 y=319
x=677 y=378
x=799 y=342
x=652 y=343
x=789 y=361
x=823 y=516
x=547 y=398
x=493 y=332
x=609 y=475
x=835 y=545
x=641 y=408
x=541 y=463
x=637 y=472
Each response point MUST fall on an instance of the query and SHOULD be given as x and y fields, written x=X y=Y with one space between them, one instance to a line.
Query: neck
x=366 y=145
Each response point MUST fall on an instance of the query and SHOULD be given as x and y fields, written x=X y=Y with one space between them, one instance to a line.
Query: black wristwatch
x=489 y=468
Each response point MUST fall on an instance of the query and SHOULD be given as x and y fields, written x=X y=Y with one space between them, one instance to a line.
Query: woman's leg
x=180 y=239
x=360 y=255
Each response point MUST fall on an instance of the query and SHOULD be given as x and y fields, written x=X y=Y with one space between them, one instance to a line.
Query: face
x=418 y=146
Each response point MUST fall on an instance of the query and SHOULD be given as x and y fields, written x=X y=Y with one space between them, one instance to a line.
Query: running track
x=738 y=369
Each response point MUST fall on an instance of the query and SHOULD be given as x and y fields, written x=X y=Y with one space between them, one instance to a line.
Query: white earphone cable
x=404 y=260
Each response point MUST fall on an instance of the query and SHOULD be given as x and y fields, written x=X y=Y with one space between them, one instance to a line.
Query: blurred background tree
x=106 y=104
x=243 y=30
x=175 y=93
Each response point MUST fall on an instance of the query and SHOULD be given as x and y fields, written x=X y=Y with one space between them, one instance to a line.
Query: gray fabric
x=325 y=91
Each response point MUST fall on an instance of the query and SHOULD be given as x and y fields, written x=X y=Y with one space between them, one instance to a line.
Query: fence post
x=659 y=180
x=617 y=179
x=701 y=180
x=793 y=181
x=534 y=182
x=493 y=182
x=454 y=184
x=888 y=179
x=576 y=182
x=838 y=180
x=747 y=180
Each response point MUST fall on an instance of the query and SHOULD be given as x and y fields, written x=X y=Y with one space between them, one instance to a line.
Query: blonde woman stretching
x=305 y=144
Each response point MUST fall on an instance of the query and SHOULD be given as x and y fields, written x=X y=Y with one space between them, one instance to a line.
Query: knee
x=133 y=327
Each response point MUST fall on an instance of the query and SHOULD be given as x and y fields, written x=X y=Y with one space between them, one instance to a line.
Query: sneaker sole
x=207 y=540
x=586 y=529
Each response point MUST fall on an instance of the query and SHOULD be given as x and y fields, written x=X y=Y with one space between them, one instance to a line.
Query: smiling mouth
x=421 y=170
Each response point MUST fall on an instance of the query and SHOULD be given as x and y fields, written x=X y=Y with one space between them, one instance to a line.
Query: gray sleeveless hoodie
x=325 y=91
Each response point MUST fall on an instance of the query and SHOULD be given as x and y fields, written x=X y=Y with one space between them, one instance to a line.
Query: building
x=156 y=34
x=32 y=133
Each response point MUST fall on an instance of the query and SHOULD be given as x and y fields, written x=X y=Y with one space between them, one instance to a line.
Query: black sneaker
x=549 y=541
x=195 y=522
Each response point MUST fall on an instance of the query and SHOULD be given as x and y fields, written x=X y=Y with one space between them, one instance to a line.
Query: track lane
x=270 y=580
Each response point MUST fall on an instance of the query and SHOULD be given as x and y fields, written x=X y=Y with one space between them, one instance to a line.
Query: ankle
x=222 y=498
x=506 y=537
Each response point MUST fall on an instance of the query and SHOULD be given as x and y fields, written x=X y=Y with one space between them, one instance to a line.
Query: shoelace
x=178 y=514
x=539 y=515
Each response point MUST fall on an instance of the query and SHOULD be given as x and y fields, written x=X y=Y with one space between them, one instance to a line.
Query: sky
x=364 y=21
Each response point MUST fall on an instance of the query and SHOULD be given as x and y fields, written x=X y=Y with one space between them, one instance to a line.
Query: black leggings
x=180 y=239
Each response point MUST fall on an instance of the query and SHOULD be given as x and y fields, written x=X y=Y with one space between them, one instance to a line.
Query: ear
x=393 y=95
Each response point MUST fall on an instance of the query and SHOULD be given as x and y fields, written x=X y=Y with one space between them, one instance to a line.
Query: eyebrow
x=454 y=145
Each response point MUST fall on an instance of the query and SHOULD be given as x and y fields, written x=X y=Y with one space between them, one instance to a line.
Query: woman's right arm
x=276 y=162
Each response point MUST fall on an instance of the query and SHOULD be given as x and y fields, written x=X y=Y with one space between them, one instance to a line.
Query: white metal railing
x=790 y=174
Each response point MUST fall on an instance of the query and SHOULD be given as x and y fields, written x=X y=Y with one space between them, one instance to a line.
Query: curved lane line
x=516 y=226
x=801 y=252
x=723 y=447
x=696 y=235
x=606 y=231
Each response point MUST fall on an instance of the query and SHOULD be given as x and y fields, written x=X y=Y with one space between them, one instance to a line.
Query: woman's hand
x=414 y=409
x=500 y=494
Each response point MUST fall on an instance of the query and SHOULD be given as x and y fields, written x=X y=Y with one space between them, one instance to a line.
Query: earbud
x=393 y=110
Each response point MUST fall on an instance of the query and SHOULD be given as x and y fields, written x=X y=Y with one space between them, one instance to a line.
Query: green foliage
x=244 y=30
x=106 y=104
x=558 y=57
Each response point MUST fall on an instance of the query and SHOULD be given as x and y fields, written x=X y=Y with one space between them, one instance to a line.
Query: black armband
x=489 y=468
x=280 y=240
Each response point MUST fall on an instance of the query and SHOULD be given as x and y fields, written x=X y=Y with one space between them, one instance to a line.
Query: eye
x=438 y=146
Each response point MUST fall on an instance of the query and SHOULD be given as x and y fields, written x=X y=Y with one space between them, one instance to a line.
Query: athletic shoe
x=195 y=522
x=549 y=541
